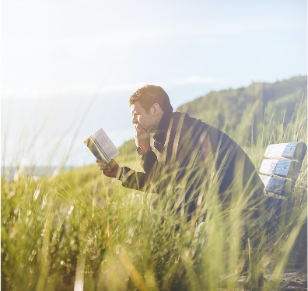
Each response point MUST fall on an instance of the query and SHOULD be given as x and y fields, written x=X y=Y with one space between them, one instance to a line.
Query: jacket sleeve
x=139 y=180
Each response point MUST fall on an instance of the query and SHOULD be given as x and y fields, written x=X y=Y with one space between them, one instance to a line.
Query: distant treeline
x=240 y=112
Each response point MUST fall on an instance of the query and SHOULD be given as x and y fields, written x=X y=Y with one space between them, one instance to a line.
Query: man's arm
x=128 y=177
x=139 y=180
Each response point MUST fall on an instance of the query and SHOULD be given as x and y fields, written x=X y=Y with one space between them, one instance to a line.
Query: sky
x=69 y=67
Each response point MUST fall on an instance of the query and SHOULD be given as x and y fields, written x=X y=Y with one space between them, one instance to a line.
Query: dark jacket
x=194 y=153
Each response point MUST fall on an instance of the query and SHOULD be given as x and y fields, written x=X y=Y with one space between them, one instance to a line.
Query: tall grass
x=82 y=231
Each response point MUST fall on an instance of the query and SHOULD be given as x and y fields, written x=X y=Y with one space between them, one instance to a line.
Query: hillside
x=232 y=110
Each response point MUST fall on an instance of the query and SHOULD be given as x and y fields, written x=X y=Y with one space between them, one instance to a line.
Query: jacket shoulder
x=189 y=120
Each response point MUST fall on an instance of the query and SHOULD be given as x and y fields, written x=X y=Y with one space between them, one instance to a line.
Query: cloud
x=208 y=32
x=197 y=80
x=32 y=92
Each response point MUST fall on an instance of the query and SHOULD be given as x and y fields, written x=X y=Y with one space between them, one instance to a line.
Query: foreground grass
x=121 y=243
x=82 y=230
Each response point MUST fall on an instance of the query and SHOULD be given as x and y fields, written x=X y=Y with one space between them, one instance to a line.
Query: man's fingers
x=139 y=128
x=102 y=164
x=142 y=134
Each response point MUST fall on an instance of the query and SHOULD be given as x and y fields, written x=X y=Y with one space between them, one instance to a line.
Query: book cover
x=101 y=146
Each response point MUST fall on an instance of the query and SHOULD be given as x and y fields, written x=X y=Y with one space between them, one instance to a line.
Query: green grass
x=80 y=227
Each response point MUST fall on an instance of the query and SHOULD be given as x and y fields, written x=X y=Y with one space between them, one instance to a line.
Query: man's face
x=141 y=117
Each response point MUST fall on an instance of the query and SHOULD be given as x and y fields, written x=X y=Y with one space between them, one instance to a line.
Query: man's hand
x=142 y=136
x=111 y=169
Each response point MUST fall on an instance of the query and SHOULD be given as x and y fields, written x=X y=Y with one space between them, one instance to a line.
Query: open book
x=101 y=146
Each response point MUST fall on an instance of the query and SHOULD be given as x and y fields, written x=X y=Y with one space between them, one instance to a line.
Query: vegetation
x=230 y=109
x=81 y=230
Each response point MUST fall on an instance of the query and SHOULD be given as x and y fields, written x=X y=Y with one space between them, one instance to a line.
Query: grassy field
x=79 y=230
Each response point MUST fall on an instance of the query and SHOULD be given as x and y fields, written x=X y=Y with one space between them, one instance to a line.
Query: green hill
x=233 y=110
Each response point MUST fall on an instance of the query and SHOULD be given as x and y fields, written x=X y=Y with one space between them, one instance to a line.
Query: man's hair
x=150 y=94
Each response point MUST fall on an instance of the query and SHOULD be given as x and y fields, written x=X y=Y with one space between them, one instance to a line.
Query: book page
x=106 y=144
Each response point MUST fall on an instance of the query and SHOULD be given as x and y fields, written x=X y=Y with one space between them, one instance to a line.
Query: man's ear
x=156 y=108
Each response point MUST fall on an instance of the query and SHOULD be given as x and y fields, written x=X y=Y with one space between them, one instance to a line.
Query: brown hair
x=150 y=94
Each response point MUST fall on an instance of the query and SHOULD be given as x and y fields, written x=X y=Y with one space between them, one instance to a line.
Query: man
x=191 y=156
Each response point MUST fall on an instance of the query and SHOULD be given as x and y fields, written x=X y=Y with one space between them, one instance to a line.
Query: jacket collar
x=161 y=133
